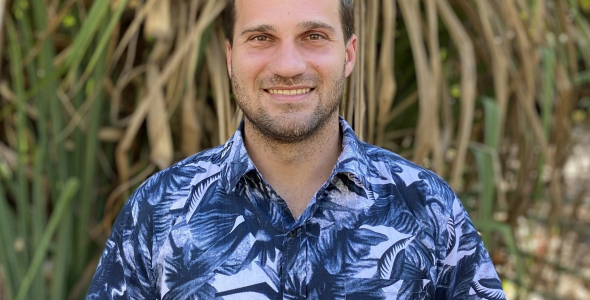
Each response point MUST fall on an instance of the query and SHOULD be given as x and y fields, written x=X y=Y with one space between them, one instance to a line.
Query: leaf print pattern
x=210 y=227
x=387 y=262
x=488 y=289
x=197 y=194
x=452 y=238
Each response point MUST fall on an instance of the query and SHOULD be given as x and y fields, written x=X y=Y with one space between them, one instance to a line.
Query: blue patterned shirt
x=210 y=227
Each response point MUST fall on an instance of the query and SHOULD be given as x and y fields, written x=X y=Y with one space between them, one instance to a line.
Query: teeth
x=290 y=92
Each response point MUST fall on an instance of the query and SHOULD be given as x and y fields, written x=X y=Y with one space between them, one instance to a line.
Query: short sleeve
x=124 y=270
x=467 y=271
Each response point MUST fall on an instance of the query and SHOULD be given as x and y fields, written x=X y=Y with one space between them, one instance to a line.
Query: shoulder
x=416 y=196
x=180 y=175
x=162 y=190
x=413 y=181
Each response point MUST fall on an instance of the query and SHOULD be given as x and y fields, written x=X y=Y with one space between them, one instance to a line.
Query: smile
x=289 y=92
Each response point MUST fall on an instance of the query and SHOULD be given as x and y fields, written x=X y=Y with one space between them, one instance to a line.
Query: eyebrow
x=259 y=28
x=309 y=25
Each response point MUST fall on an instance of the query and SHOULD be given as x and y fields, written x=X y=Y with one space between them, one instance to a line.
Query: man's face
x=288 y=64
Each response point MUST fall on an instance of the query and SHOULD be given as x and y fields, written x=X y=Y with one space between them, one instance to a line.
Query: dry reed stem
x=175 y=87
x=537 y=22
x=191 y=130
x=158 y=127
x=561 y=133
x=468 y=90
x=346 y=109
x=110 y=134
x=470 y=14
x=218 y=72
x=359 y=109
x=387 y=83
x=212 y=9
x=562 y=127
x=208 y=15
x=528 y=59
x=157 y=21
x=411 y=14
x=132 y=30
x=448 y=122
x=125 y=79
x=2 y=9
x=500 y=61
x=371 y=38
x=77 y=116
x=565 y=28
x=131 y=53
x=436 y=68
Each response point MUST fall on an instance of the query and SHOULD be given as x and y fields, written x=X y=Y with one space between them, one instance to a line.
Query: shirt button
x=293 y=233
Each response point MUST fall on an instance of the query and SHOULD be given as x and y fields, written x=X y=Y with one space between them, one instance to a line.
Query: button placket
x=294 y=239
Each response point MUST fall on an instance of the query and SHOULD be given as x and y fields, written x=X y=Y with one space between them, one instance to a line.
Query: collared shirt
x=210 y=227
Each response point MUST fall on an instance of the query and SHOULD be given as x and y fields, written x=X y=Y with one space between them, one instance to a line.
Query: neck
x=295 y=170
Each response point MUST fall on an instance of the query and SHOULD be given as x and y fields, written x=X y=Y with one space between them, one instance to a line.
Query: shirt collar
x=352 y=161
x=237 y=161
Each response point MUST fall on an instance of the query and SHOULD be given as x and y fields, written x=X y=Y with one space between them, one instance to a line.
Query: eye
x=314 y=37
x=260 y=38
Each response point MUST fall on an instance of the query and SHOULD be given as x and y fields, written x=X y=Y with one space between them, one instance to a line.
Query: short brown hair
x=346 y=18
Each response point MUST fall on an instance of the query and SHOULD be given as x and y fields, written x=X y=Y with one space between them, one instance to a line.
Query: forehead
x=284 y=14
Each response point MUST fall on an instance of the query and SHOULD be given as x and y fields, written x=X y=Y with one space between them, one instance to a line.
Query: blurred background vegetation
x=492 y=95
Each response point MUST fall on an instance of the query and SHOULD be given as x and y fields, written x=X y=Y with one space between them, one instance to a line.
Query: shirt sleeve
x=124 y=270
x=467 y=271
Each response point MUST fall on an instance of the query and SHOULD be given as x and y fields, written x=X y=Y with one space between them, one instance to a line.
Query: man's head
x=288 y=64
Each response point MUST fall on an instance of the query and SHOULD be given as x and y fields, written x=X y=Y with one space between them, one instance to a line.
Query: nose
x=289 y=60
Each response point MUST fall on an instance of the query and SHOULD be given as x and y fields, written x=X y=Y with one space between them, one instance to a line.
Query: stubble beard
x=285 y=129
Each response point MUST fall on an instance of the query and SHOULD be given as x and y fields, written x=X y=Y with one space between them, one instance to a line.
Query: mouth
x=289 y=92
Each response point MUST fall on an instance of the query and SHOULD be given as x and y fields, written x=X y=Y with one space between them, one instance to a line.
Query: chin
x=289 y=128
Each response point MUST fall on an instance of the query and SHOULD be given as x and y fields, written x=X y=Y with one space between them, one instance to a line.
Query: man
x=294 y=206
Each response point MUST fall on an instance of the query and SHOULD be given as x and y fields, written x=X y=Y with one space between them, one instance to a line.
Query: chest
x=343 y=247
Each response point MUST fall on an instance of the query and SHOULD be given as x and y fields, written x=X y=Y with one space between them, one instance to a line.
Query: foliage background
x=97 y=95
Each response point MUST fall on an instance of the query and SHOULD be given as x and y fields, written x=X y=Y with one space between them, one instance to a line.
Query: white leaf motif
x=197 y=194
x=388 y=259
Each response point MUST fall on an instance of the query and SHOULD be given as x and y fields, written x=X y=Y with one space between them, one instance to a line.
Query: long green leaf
x=36 y=69
x=104 y=39
x=508 y=235
x=485 y=162
x=96 y=15
x=21 y=194
x=492 y=122
x=7 y=252
x=486 y=193
x=90 y=142
x=63 y=203
x=78 y=49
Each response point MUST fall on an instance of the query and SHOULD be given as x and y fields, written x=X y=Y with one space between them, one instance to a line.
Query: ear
x=228 y=56
x=350 y=57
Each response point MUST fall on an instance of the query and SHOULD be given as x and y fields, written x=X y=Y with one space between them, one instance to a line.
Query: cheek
x=247 y=70
x=332 y=71
x=254 y=59
x=326 y=61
